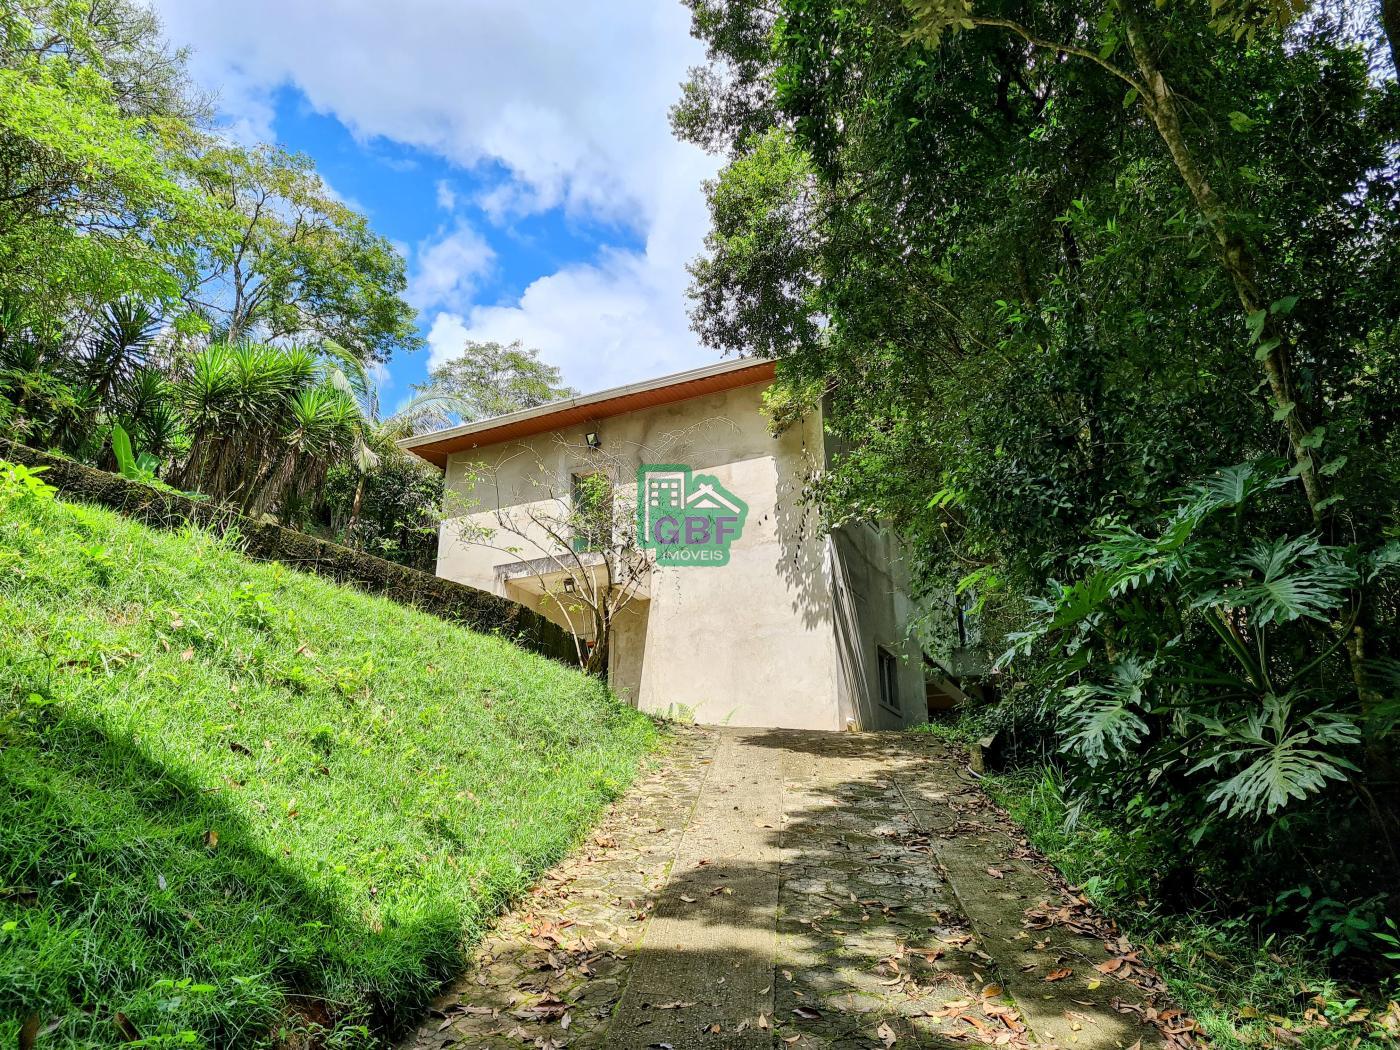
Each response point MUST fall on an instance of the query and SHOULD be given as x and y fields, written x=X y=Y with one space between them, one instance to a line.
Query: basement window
x=888 y=666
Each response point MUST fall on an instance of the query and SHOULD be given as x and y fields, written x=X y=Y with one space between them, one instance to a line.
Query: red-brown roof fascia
x=590 y=408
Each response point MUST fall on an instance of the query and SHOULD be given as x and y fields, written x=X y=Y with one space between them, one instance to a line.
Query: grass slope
x=238 y=802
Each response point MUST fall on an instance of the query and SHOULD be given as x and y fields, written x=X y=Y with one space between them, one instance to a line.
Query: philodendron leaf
x=1279 y=756
x=1290 y=579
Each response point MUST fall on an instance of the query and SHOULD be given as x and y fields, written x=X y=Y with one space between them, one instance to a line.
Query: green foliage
x=1280 y=756
x=391 y=509
x=265 y=421
x=135 y=243
x=137 y=468
x=300 y=264
x=1049 y=266
x=86 y=187
x=247 y=808
x=1186 y=658
x=20 y=485
x=1241 y=986
x=488 y=379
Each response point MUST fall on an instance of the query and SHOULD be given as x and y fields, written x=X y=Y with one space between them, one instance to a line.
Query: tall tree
x=94 y=115
x=490 y=379
x=298 y=263
x=1048 y=265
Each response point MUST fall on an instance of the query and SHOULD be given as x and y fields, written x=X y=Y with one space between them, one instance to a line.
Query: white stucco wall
x=872 y=610
x=755 y=642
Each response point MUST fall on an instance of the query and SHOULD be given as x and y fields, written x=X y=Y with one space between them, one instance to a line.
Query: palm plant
x=147 y=409
x=119 y=344
x=322 y=426
x=265 y=422
x=236 y=400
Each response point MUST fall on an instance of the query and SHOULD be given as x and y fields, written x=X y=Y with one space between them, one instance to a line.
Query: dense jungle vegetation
x=202 y=314
x=1104 y=298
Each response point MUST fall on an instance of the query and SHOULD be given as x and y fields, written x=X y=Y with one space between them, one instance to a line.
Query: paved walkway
x=767 y=888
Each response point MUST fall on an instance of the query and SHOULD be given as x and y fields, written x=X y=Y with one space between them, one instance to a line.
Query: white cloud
x=569 y=99
x=446 y=196
x=446 y=268
x=598 y=322
x=446 y=338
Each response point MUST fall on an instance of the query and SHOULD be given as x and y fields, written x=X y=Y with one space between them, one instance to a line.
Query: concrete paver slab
x=771 y=888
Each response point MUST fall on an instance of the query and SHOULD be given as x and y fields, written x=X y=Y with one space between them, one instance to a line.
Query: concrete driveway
x=769 y=888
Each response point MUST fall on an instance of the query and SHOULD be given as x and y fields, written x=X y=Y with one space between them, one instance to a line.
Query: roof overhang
x=589 y=408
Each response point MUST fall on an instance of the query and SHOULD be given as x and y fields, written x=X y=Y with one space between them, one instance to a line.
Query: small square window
x=889 y=679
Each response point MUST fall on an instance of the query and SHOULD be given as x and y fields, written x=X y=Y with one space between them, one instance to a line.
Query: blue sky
x=518 y=154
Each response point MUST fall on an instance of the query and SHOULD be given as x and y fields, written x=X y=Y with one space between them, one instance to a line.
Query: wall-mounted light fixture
x=568 y=585
x=594 y=441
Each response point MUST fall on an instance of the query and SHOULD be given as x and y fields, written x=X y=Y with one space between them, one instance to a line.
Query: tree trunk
x=597 y=662
x=1236 y=258
x=1390 y=22
x=355 y=511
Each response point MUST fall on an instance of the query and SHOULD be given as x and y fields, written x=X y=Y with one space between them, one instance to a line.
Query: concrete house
x=740 y=610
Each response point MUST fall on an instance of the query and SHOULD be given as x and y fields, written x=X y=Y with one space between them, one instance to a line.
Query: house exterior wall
x=784 y=634
x=871 y=611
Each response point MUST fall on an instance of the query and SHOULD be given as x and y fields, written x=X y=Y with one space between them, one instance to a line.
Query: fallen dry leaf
x=886 y=1034
x=129 y=1031
x=1058 y=974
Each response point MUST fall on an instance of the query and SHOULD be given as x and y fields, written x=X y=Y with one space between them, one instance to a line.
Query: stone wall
x=265 y=541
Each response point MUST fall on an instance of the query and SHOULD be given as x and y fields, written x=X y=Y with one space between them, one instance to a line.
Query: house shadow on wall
x=827 y=574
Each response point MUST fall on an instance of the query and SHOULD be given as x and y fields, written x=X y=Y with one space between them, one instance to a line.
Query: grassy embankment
x=1245 y=989
x=238 y=803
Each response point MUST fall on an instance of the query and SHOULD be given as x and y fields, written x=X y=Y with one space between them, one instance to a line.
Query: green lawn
x=237 y=801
